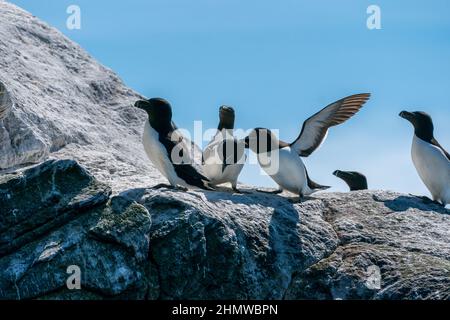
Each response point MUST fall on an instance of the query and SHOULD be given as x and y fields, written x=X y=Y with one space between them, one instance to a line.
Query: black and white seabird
x=286 y=167
x=431 y=160
x=166 y=147
x=355 y=180
x=224 y=156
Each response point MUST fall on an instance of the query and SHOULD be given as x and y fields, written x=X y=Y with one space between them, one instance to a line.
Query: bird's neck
x=424 y=132
x=163 y=128
x=225 y=124
x=424 y=135
x=359 y=186
x=225 y=132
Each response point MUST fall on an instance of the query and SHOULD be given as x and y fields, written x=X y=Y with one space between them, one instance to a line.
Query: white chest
x=286 y=168
x=157 y=153
x=432 y=166
x=213 y=162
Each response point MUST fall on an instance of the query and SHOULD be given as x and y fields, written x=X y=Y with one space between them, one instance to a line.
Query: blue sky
x=278 y=62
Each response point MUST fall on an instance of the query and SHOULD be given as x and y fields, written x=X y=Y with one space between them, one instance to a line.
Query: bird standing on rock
x=431 y=160
x=224 y=156
x=281 y=160
x=167 y=148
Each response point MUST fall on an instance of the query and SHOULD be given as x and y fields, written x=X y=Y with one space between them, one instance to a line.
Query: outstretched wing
x=434 y=142
x=315 y=128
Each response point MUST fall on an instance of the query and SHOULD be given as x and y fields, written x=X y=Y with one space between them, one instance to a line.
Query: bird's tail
x=315 y=186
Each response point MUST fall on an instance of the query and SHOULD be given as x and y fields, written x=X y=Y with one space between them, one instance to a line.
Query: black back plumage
x=160 y=118
x=183 y=170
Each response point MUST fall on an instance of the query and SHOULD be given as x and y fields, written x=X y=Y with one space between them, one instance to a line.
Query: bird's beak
x=337 y=173
x=406 y=115
x=138 y=104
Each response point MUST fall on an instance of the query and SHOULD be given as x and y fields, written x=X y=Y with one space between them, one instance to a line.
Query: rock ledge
x=166 y=244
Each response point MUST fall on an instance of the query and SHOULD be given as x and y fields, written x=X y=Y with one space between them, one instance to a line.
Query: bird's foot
x=300 y=199
x=169 y=186
x=163 y=185
x=236 y=190
x=439 y=203
x=278 y=191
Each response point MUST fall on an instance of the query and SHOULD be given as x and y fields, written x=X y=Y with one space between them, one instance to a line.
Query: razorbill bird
x=355 y=180
x=224 y=156
x=281 y=160
x=166 y=147
x=431 y=160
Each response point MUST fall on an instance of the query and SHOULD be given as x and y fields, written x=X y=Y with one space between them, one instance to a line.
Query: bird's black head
x=159 y=111
x=355 y=180
x=422 y=122
x=261 y=140
x=226 y=117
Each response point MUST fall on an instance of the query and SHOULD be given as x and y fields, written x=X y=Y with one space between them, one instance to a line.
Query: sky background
x=277 y=63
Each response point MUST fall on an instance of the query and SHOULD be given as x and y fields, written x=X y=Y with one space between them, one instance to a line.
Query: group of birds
x=225 y=155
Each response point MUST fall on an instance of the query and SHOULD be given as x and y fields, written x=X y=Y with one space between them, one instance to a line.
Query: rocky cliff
x=75 y=192
x=66 y=105
x=166 y=244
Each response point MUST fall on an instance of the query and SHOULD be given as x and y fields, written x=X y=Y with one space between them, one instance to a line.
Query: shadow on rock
x=403 y=203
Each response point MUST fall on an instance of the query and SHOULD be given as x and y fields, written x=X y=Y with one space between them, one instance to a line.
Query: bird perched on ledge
x=281 y=160
x=224 y=156
x=431 y=160
x=167 y=148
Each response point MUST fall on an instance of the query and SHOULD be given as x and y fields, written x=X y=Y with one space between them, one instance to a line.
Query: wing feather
x=436 y=143
x=315 y=128
x=186 y=171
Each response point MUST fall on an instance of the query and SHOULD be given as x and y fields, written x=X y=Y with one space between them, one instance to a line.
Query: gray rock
x=5 y=102
x=42 y=198
x=57 y=215
x=391 y=246
x=168 y=244
x=224 y=246
x=66 y=105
